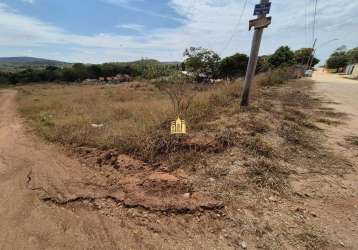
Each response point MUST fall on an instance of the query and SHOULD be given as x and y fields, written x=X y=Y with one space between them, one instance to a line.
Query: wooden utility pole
x=260 y=23
x=311 y=57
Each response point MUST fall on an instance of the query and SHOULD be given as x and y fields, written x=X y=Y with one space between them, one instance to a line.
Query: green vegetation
x=17 y=64
x=147 y=69
x=337 y=60
x=302 y=56
x=275 y=77
x=200 y=63
x=233 y=66
x=341 y=58
x=283 y=56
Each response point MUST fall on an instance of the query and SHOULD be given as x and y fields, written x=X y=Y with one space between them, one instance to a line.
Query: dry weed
x=267 y=173
x=258 y=146
x=353 y=140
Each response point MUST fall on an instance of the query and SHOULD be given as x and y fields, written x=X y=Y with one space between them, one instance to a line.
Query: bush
x=233 y=66
x=274 y=77
x=283 y=56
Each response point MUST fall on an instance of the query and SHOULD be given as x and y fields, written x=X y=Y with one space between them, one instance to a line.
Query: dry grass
x=258 y=145
x=329 y=121
x=312 y=240
x=270 y=174
x=64 y=114
x=353 y=140
x=135 y=116
x=136 y=119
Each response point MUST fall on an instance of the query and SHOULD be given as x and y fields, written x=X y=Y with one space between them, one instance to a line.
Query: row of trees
x=200 y=62
x=207 y=63
x=147 y=69
x=341 y=57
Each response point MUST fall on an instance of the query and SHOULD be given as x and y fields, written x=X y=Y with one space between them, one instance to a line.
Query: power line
x=227 y=44
x=314 y=20
x=306 y=22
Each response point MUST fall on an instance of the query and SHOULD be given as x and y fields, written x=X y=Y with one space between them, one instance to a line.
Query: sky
x=97 y=31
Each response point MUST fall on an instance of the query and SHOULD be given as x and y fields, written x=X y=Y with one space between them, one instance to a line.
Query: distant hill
x=15 y=64
x=29 y=60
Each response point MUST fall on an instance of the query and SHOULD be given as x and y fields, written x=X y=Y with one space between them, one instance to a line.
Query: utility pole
x=260 y=23
x=311 y=57
x=315 y=48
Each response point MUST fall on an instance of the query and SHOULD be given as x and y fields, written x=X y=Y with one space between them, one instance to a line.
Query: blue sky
x=96 y=31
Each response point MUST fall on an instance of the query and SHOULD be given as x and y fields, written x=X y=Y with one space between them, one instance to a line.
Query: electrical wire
x=227 y=44
x=314 y=23
x=306 y=22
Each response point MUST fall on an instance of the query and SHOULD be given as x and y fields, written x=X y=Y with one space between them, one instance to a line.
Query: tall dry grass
x=135 y=116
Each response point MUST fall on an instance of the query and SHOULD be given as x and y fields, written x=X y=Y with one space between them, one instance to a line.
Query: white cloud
x=207 y=23
x=29 y=1
x=127 y=4
x=131 y=26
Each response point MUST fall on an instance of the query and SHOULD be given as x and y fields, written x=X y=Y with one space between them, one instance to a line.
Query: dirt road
x=339 y=208
x=343 y=93
x=26 y=222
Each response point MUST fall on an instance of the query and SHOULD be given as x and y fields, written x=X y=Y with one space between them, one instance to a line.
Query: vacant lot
x=252 y=176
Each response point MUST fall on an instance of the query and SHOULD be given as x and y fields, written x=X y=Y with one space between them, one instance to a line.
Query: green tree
x=70 y=75
x=233 y=66
x=4 y=78
x=302 y=56
x=80 y=70
x=337 y=60
x=201 y=61
x=262 y=64
x=353 y=55
x=283 y=56
x=52 y=68
x=94 y=71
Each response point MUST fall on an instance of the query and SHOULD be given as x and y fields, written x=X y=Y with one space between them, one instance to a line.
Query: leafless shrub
x=179 y=88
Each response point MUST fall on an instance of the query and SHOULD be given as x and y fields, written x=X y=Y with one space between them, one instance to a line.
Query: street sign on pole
x=260 y=23
x=262 y=9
